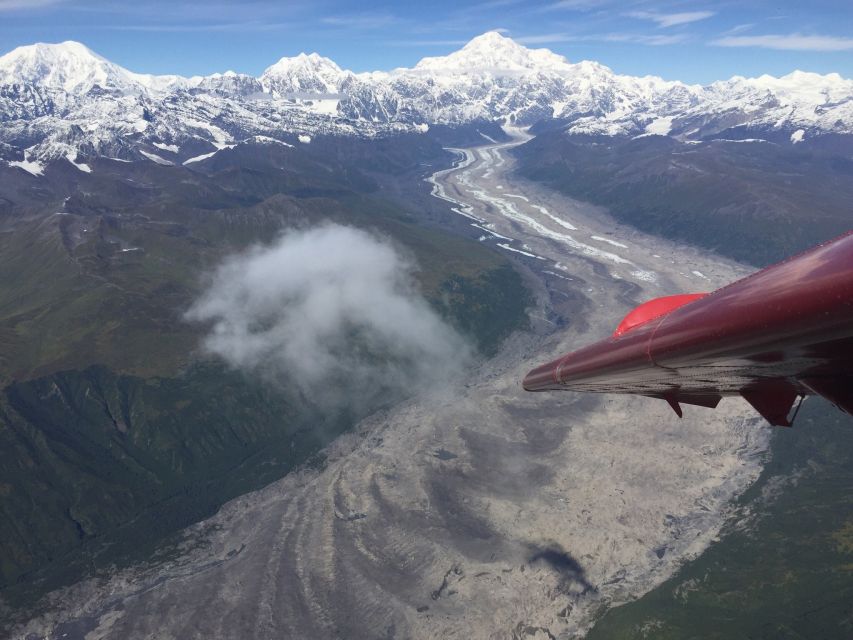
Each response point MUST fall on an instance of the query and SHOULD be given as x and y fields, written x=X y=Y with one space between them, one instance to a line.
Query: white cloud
x=334 y=311
x=671 y=19
x=791 y=42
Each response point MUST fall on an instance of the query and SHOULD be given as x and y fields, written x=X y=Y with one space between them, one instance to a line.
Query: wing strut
x=674 y=404
x=773 y=399
x=838 y=390
x=676 y=398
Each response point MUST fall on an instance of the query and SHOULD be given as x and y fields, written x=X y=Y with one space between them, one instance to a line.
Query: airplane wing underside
x=773 y=338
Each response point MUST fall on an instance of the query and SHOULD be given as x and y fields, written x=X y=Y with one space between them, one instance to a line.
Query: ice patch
x=645 y=276
x=203 y=156
x=220 y=138
x=268 y=140
x=492 y=232
x=304 y=139
x=462 y=208
x=798 y=136
x=611 y=242
x=155 y=158
x=167 y=147
x=699 y=274
x=512 y=213
x=743 y=140
x=85 y=168
x=327 y=107
x=34 y=167
x=524 y=253
x=563 y=223
x=660 y=126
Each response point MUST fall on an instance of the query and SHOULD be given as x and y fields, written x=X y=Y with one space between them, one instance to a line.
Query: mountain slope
x=112 y=419
x=753 y=200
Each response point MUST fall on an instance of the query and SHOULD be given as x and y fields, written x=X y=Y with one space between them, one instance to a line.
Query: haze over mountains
x=64 y=101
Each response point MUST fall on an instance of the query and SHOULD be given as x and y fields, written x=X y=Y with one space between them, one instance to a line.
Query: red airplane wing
x=778 y=335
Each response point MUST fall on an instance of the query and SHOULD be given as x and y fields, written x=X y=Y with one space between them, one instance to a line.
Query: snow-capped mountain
x=63 y=100
x=306 y=74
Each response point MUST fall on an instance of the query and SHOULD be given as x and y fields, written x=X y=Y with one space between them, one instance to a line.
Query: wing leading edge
x=773 y=338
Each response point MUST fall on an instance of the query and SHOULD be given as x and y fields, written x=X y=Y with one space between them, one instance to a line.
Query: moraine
x=482 y=509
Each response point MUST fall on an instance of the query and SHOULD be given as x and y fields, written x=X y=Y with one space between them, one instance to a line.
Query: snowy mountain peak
x=68 y=66
x=495 y=53
x=306 y=73
x=302 y=61
x=64 y=101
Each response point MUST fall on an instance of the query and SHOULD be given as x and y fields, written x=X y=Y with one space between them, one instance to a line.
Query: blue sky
x=677 y=39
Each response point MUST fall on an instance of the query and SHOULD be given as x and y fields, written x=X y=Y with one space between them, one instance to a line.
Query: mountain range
x=65 y=101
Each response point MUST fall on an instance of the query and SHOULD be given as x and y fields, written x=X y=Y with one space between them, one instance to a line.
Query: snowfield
x=51 y=91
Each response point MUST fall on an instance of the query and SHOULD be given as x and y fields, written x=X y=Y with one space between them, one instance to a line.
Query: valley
x=521 y=203
x=479 y=509
x=113 y=419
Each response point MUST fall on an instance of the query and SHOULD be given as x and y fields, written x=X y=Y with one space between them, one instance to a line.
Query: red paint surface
x=654 y=309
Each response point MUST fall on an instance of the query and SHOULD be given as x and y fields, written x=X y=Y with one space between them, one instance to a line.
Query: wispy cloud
x=362 y=21
x=494 y=4
x=671 y=19
x=791 y=42
x=545 y=38
x=653 y=40
x=740 y=28
x=22 y=5
x=641 y=38
x=253 y=25
x=427 y=43
x=574 y=5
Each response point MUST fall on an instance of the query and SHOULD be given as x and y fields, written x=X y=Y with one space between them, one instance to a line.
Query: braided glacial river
x=481 y=511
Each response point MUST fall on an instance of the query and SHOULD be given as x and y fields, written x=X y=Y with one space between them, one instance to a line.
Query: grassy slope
x=108 y=417
x=755 y=202
x=786 y=570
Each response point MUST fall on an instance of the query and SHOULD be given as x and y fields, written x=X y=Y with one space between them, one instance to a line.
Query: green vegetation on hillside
x=757 y=202
x=114 y=430
x=784 y=567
